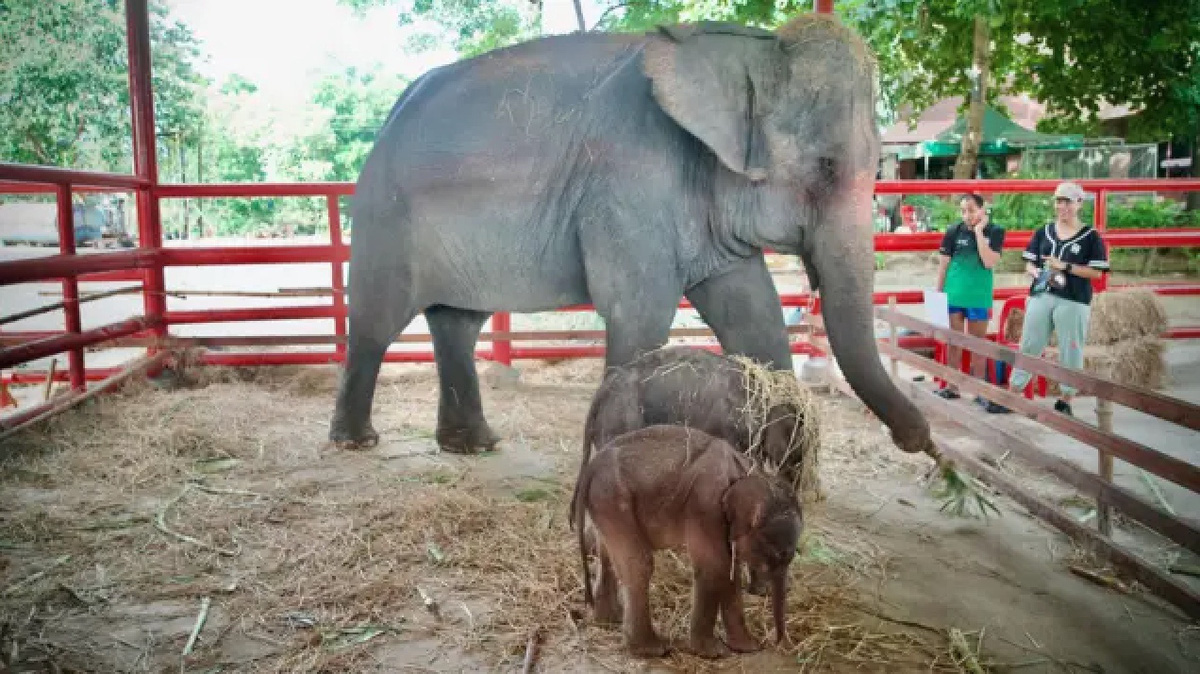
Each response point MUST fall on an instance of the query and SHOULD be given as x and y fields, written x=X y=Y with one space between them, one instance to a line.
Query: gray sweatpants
x=1069 y=320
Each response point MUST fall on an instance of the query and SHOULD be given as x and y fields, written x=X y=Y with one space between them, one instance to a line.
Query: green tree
x=1073 y=55
x=354 y=105
x=470 y=27
x=64 y=92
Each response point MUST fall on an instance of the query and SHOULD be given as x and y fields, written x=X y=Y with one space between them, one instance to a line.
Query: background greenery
x=64 y=87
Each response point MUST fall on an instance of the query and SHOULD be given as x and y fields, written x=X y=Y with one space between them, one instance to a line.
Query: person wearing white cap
x=1063 y=257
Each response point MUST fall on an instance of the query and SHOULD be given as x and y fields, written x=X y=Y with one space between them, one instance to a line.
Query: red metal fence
x=148 y=262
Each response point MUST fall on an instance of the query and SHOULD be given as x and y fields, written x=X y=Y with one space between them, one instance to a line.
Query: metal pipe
x=988 y=186
x=39 y=376
x=249 y=314
x=212 y=190
x=337 y=281
x=145 y=158
x=23 y=353
x=216 y=255
x=1101 y=223
x=50 y=175
x=70 y=287
x=58 y=266
x=996 y=186
x=502 y=348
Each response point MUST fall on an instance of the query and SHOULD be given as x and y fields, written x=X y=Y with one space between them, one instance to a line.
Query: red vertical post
x=824 y=6
x=1101 y=219
x=502 y=348
x=339 y=283
x=70 y=285
x=145 y=162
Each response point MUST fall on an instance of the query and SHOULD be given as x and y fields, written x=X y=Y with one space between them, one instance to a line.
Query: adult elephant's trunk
x=842 y=253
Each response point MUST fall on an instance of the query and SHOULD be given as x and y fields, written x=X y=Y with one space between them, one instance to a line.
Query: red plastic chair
x=1039 y=382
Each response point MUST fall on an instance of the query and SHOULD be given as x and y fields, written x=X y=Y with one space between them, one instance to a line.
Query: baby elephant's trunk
x=779 y=602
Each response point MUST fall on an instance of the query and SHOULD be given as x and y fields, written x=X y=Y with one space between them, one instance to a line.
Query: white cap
x=1070 y=191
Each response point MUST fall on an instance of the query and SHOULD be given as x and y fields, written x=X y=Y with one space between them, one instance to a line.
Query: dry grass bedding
x=320 y=561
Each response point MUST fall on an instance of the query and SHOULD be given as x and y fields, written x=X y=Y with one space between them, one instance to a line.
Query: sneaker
x=994 y=408
x=948 y=394
x=1064 y=407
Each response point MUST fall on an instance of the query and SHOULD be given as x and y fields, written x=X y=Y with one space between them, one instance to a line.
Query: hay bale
x=1132 y=362
x=767 y=389
x=1119 y=315
x=1116 y=315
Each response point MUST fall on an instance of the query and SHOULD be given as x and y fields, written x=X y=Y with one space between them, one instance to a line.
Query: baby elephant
x=716 y=394
x=671 y=487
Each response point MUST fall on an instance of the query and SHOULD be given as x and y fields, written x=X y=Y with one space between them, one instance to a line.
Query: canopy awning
x=1001 y=136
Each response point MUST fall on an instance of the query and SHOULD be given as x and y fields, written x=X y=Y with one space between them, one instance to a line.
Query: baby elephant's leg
x=608 y=601
x=633 y=561
x=717 y=586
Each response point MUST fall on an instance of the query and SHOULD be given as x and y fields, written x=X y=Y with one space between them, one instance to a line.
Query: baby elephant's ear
x=712 y=84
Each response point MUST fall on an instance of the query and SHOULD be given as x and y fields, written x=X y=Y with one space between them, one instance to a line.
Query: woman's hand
x=1057 y=265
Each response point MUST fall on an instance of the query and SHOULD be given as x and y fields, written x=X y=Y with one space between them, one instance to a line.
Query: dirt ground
x=118 y=520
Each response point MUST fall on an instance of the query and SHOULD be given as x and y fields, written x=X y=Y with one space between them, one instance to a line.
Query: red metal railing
x=148 y=262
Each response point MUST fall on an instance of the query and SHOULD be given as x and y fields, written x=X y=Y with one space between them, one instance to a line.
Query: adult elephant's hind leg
x=367 y=343
x=461 y=426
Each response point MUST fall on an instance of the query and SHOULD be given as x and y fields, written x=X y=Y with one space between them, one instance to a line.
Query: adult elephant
x=627 y=171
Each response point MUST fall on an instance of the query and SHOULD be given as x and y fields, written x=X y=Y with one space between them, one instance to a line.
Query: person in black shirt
x=1063 y=257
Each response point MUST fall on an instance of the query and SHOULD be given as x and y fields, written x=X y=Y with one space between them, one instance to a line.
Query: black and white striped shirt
x=1085 y=248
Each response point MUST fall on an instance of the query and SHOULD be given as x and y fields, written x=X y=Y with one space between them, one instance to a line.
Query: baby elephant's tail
x=589 y=436
x=578 y=512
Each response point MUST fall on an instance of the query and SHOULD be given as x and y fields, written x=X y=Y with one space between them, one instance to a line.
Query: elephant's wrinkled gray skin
x=691 y=387
x=627 y=171
x=677 y=488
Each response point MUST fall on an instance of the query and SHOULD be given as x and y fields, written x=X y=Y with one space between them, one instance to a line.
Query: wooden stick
x=1156 y=491
x=531 y=651
x=12 y=318
x=1105 y=468
x=1099 y=579
x=160 y=523
x=50 y=380
x=894 y=337
x=200 y=619
x=138 y=367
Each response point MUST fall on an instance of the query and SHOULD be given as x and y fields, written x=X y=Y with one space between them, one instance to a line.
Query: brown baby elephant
x=673 y=487
x=710 y=392
x=768 y=421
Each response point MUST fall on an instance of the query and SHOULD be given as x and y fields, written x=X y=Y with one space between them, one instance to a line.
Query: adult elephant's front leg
x=742 y=308
x=461 y=427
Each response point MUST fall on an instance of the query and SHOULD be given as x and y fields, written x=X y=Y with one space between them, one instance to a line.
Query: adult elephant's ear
x=713 y=79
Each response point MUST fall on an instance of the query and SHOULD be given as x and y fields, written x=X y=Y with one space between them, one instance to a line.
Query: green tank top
x=968 y=283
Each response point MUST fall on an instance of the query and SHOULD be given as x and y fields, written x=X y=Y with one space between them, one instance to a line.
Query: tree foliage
x=470 y=27
x=64 y=87
x=355 y=104
x=1072 y=55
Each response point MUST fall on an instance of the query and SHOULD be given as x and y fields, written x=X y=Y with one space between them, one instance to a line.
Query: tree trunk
x=968 y=157
x=183 y=179
x=579 y=17
x=1193 y=198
